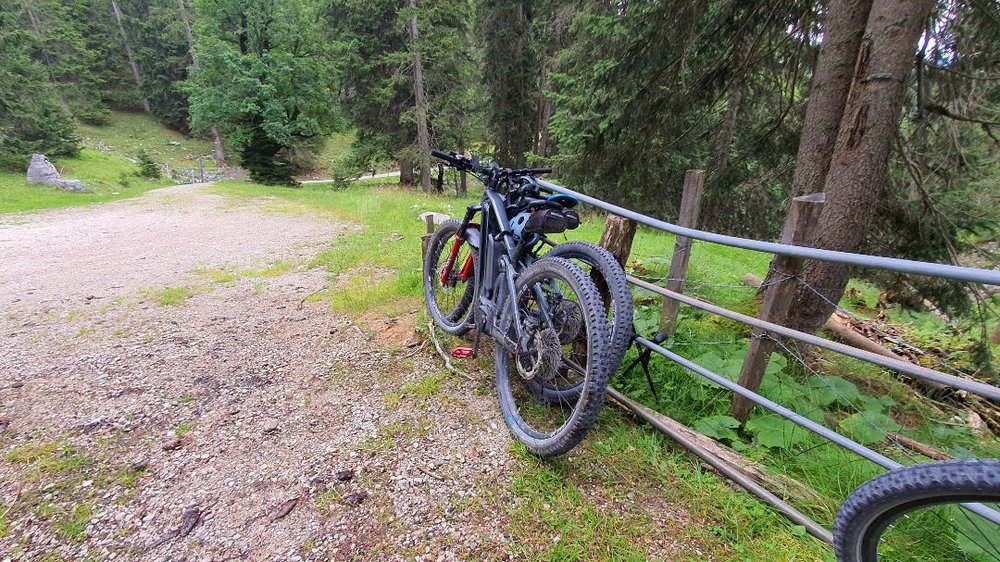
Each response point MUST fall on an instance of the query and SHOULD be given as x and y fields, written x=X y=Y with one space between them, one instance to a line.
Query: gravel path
x=244 y=423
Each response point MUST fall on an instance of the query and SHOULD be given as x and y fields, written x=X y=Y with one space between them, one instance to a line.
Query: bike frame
x=501 y=257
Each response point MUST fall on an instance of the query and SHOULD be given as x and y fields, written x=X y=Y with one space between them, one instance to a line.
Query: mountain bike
x=554 y=345
x=922 y=512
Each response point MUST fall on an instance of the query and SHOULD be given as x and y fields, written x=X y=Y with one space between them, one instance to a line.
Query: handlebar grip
x=438 y=154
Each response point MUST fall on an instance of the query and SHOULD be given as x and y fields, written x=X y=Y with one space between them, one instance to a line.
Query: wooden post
x=617 y=237
x=201 y=168
x=694 y=186
x=425 y=240
x=803 y=215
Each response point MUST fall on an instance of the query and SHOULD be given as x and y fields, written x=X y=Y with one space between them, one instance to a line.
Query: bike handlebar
x=463 y=162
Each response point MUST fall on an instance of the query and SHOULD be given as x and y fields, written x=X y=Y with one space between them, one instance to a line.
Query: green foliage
x=264 y=81
x=148 y=168
x=31 y=119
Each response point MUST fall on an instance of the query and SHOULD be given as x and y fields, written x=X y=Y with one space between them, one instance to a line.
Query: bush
x=148 y=168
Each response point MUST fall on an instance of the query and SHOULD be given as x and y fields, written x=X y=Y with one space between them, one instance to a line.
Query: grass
x=168 y=296
x=378 y=267
x=106 y=164
x=128 y=133
x=561 y=512
x=100 y=171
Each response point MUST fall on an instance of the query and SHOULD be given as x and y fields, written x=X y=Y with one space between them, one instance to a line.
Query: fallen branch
x=316 y=292
x=428 y=472
x=447 y=359
x=918 y=447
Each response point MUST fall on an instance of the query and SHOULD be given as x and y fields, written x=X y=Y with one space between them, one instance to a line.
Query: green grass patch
x=167 y=296
x=128 y=133
x=48 y=461
x=605 y=501
x=109 y=176
x=377 y=268
x=184 y=428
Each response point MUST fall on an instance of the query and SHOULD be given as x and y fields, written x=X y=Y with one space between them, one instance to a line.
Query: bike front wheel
x=449 y=279
x=913 y=513
x=552 y=349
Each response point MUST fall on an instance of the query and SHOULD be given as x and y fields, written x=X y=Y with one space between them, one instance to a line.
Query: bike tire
x=620 y=296
x=875 y=505
x=457 y=320
x=598 y=354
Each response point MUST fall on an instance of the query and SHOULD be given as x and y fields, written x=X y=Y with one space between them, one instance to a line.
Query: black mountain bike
x=555 y=348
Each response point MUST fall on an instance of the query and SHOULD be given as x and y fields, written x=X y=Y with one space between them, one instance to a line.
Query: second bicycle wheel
x=563 y=350
x=449 y=279
x=912 y=513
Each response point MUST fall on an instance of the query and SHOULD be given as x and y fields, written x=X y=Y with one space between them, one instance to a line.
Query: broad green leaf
x=869 y=427
x=776 y=432
x=718 y=427
x=833 y=390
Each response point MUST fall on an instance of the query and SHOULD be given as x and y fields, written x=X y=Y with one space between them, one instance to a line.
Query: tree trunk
x=728 y=131
x=129 y=54
x=423 y=138
x=406 y=176
x=834 y=69
x=844 y=27
x=37 y=27
x=540 y=107
x=859 y=165
x=220 y=156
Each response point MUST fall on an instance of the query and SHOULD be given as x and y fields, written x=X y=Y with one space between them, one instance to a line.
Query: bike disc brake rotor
x=543 y=358
x=568 y=320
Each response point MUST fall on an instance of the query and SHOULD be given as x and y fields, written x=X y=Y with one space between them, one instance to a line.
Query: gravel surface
x=245 y=423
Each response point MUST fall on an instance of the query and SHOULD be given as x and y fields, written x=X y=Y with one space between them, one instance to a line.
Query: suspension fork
x=467 y=267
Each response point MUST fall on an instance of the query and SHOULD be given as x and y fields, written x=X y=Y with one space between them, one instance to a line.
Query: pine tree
x=31 y=119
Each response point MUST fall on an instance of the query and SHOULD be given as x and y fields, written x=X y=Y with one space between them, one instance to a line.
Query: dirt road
x=166 y=393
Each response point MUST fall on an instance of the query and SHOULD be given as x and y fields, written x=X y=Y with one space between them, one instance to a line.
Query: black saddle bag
x=552 y=221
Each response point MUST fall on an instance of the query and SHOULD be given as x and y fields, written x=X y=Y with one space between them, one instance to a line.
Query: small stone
x=270 y=425
x=345 y=475
x=86 y=483
x=17 y=384
x=172 y=445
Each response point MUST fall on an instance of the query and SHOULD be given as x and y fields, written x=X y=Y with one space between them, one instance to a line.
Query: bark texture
x=844 y=28
x=859 y=165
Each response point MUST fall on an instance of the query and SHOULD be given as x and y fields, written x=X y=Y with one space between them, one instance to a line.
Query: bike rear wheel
x=546 y=427
x=448 y=301
x=912 y=513
x=608 y=275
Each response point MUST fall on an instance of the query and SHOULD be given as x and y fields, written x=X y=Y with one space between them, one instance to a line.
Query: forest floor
x=176 y=385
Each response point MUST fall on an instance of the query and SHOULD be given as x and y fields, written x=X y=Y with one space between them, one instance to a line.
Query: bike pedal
x=461 y=352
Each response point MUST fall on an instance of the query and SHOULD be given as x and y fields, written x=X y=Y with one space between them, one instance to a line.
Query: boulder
x=41 y=171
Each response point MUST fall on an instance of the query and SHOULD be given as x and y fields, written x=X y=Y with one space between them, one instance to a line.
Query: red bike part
x=467 y=269
x=446 y=271
x=461 y=352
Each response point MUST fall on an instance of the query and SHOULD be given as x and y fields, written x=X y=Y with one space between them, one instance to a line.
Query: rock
x=270 y=425
x=41 y=171
x=433 y=220
x=976 y=423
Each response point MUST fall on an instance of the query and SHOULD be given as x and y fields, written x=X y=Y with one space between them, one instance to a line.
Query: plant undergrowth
x=561 y=510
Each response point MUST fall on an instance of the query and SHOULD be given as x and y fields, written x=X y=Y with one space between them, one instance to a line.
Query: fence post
x=617 y=237
x=803 y=214
x=694 y=186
